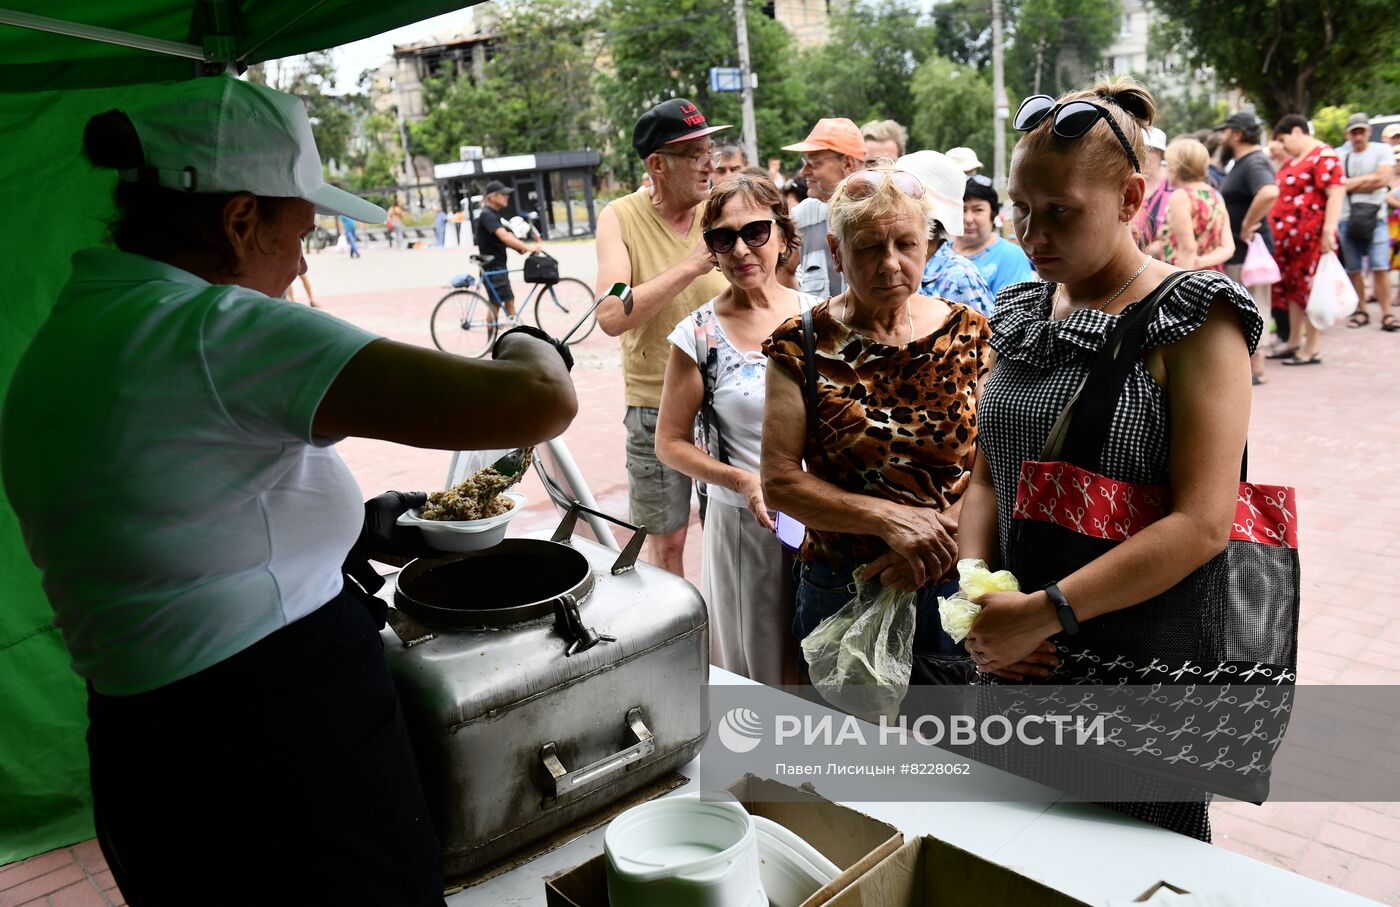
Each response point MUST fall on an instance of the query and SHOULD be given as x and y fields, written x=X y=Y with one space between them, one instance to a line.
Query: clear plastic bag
x=860 y=657
x=1333 y=297
x=975 y=580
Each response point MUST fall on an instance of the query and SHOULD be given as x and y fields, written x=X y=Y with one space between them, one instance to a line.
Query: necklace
x=909 y=310
x=1121 y=290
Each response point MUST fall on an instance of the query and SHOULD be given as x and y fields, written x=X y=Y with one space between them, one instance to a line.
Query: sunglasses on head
x=865 y=183
x=754 y=234
x=1070 y=120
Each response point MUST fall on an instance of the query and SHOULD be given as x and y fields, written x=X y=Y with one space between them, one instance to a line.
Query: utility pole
x=746 y=76
x=1002 y=108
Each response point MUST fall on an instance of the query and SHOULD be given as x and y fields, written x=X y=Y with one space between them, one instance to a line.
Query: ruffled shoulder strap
x=1185 y=310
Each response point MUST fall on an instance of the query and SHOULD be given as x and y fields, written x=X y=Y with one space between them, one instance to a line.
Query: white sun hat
x=944 y=183
x=221 y=134
x=965 y=158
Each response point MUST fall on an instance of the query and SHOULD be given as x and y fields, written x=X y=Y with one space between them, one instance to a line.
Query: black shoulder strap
x=809 y=382
x=1082 y=427
x=709 y=376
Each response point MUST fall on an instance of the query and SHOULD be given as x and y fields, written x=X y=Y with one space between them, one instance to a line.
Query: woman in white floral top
x=715 y=354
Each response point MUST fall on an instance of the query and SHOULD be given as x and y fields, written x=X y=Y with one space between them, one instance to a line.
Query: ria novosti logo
x=740 y=730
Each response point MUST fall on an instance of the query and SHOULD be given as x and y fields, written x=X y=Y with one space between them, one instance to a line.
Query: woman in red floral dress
x=1304 y=224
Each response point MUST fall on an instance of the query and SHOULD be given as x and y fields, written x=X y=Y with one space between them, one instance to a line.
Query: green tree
x=1288 y=55
x=1056 y=44
x=953 y=106
x=665 y=48
x=865 y=71
x=535 y=92
x=1329 y=124
x=962 y=32
x=1185 y=111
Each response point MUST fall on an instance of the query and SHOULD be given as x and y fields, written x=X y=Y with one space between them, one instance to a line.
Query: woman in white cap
x=876 y=390
x=167 y=448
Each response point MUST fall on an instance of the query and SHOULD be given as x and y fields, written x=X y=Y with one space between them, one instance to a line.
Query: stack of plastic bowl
x=683 y=852
x=466 y=535
x=791 y=869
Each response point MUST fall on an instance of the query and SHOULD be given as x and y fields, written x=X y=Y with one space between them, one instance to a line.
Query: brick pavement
x=1329 y=431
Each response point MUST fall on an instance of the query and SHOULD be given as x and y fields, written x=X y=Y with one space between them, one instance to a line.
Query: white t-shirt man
x=157 y=450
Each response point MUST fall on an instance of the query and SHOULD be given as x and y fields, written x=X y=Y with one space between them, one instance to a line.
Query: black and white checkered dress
x=1039 y=365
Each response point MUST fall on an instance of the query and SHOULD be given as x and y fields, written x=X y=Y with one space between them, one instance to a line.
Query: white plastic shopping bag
x=1260 y=269
x=1333 y=297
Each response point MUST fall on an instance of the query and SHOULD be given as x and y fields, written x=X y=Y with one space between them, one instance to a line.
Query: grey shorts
x=659 y=496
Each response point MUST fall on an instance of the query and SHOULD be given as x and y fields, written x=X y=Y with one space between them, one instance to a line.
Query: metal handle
x=628 y=559
x=409 y=631
x=565 y=781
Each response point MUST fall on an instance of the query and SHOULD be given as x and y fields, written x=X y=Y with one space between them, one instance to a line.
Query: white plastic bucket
x=683 y=852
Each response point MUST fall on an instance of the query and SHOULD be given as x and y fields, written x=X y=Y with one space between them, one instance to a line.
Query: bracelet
x=1062 y=609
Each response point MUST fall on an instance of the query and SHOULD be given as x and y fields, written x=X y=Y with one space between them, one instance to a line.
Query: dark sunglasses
x=754 y=234
x=1071 y=120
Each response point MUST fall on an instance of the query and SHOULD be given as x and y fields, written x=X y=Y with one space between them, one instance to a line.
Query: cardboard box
x=853 y=841
x=928 y=872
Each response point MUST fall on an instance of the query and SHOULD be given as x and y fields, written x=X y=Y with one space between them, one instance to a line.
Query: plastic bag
x=1333 y=297
x=1259 y=268
x=860 y=657
x=975 y=580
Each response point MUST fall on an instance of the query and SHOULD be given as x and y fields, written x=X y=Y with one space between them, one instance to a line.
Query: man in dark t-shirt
x=1249 y=190
x=493 y=237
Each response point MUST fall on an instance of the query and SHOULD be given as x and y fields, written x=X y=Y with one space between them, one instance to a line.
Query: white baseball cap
x=221 y=134
x=965 y=158
x=1155 y=138
x=944 y=182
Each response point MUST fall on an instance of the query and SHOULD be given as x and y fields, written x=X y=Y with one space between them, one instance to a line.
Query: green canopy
x=63 y=62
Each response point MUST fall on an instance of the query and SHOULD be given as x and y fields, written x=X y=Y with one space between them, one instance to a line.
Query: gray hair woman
x=895 y=397
x=715 y=358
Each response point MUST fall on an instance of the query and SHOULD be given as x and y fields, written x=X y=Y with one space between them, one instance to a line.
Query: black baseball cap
x=670 y=121
x=497 y=186
x=1241 y=121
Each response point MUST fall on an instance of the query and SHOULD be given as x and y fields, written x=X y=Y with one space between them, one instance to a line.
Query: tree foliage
x=1057 y=44
x=952 y=104
x=535 y=94
x=1288 y=55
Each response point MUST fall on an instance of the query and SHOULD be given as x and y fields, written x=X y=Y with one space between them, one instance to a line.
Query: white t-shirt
x=739 y=388
x=816 y=272
x=157 y=450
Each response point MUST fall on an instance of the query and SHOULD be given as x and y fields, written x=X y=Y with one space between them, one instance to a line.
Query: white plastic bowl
x=791 y=869
x=683 y=852
x=466 y=535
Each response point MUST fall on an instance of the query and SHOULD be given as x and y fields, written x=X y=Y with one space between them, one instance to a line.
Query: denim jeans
x=823 y=590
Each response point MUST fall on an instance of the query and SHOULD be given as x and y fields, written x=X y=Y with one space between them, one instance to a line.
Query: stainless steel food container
x=543 y=680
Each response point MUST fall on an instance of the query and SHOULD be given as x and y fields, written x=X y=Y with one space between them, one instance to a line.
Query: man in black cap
x=652 y=240
x=1249 y=190
x=493 y=237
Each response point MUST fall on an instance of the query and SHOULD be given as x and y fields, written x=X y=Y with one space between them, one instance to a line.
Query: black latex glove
x=562 y=348
x=382 y=538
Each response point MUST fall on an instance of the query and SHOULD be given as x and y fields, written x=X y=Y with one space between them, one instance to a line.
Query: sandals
x=1314 y=359
x=1283 y=352
x=1360 y=318
x=1390 y=324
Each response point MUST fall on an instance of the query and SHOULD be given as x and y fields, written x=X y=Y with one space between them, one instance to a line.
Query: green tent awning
x=88 y=56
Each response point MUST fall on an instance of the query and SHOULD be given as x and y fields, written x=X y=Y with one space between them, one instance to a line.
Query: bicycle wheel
x=559 y=307
x=464 y=323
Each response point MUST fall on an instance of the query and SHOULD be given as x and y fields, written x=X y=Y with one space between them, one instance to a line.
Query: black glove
x=383 y=539
x=563 y=348
x=382 y=536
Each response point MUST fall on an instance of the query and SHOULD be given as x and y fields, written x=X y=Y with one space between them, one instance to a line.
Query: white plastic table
x=1083 y=850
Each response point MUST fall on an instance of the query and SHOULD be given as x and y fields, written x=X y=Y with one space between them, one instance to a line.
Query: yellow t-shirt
x=653 y=248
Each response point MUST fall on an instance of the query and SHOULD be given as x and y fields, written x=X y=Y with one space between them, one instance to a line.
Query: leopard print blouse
x=898 y=423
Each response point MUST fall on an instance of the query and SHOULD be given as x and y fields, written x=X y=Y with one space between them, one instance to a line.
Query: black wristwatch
x=1062 y=609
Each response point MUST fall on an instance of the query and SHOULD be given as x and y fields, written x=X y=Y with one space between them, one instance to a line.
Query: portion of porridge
x=478 y=498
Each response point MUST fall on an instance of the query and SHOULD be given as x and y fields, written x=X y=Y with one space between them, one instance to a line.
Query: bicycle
x=466 y=323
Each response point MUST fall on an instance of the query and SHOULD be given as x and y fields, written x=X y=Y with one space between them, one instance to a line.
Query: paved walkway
x=1330 y=431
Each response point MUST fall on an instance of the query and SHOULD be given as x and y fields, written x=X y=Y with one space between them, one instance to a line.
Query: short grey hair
x=886 y=131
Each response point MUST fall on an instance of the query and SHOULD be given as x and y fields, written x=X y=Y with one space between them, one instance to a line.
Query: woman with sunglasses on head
x=1180 y=421
x=716 y=372
x=889 y=446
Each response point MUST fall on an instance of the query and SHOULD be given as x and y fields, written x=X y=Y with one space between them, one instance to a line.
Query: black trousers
x=282 y=775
